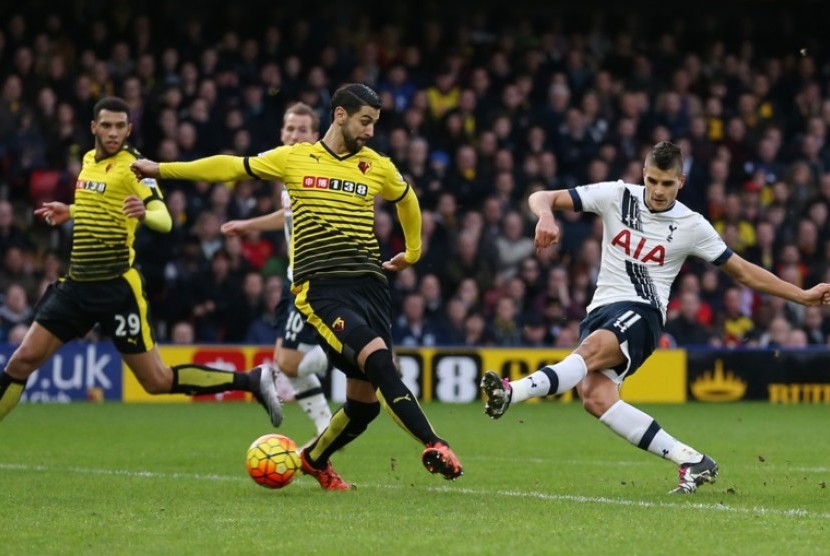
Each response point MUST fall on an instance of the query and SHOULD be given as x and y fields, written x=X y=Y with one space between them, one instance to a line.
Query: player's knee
x=288 y=364
x=26 y=359
x=361 y=413
x=156 y=383
x=596 y=402
x=380 y=367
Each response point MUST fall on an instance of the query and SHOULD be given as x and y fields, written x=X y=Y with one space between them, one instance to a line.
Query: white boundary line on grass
x=793 y=512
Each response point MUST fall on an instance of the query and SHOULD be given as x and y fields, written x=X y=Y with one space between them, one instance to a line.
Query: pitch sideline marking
x=793 y=512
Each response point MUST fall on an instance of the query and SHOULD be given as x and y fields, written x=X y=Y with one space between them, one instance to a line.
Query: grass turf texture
x=546 y=478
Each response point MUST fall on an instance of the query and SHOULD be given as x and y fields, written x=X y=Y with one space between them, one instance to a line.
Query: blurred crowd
x=480 y=109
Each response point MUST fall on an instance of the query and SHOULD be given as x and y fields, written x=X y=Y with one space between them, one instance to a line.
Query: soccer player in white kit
x=297 y=352
x=647 y=235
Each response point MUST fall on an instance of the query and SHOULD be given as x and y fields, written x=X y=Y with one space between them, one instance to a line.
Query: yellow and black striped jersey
x=102 y=241
x=333 y=205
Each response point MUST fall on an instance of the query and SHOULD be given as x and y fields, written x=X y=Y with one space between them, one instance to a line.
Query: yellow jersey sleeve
x=394 y=186
x=269 y=165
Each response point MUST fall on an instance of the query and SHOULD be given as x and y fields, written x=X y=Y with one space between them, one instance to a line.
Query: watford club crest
x=364 y=166
x=338 y=325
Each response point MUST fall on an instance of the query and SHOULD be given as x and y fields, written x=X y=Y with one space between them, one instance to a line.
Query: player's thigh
x=635 y=326
x=288 y=359
x=65 y=311
x=347 y=318
x=37 y=346
x=124 y=314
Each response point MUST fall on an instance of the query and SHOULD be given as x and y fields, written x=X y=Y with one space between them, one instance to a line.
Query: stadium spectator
x=756 y=131
x=685 y=328
x=413 y=327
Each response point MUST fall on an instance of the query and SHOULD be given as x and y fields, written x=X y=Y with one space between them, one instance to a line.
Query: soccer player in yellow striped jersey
x=338 y=275
x=102 y=285
x=297 y=352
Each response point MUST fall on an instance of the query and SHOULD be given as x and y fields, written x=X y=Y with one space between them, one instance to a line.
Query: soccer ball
x=272 y=460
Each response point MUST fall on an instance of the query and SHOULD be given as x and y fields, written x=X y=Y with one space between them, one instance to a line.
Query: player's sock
x=313 y=362
x=643 y=431
x=194 y=379
x=398 y=401
x=10 y=391
x=553 y=379
x=346 y=425
x=309 y=394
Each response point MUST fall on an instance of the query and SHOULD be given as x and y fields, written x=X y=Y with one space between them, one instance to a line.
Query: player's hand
x=547 y=232
x=817 y=295
x=144 y=168
x=134 y=207
x=53 y=213
x=234 y=228
x=396 y=263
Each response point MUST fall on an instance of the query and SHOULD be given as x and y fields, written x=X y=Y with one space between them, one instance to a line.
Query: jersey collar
x=332 y=153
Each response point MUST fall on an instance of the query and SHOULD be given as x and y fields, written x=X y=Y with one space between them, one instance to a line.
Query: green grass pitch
x=545 y=479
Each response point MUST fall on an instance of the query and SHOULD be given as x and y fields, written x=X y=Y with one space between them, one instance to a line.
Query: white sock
x=313 y=362
x=553 y=379
x=642 y=430
x=309 y=394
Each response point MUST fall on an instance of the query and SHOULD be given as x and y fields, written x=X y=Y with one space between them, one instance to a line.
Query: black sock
x=346 y=425
x=398 y=400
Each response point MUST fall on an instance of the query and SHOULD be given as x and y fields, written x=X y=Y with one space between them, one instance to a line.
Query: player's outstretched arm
x=219 y=167
x=264 y=223
x=54 y=213
x=761 y=280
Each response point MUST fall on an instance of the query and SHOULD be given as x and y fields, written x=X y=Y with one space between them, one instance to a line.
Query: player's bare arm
x=542 y=204
x=759 y=279
x=265 y=223
x=54 y=213
x=145 y=168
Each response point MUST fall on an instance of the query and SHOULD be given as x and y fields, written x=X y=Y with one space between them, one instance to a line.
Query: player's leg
x=599 y=348
x=128 y=323
x=347 y=424
x=308 y=390
x=378 y=364
x=60 y=316
x=600 y=397
x=353 y=319
x=295 y=340
x=37 y=346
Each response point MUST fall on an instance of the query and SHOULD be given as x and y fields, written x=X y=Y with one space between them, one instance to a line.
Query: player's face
x=297 y=128
x=662 y=186
x=111 y=130
x=359 y=128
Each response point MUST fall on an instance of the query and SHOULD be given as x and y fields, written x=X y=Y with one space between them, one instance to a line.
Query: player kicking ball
x=647 y=235
x=297 y=353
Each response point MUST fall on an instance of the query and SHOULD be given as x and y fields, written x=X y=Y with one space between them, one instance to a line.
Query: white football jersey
x=642 y=251
x=289 y=232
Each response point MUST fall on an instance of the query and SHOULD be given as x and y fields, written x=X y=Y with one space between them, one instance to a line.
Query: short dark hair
x=113 y=104
x=353 y=97
x=665 y=155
